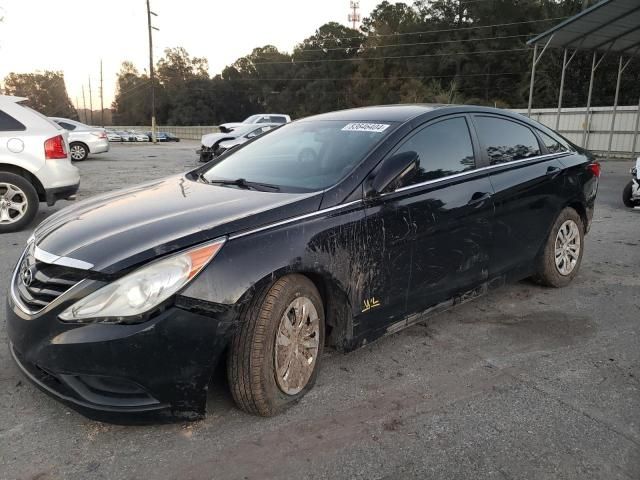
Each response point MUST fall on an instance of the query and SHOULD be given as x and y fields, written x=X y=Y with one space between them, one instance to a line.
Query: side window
x=443 y=148
x=552 y=144
x=67 y=126
x=506 y=141
x=9 y=124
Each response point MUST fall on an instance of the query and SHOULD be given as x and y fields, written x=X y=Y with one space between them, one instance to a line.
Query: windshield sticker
x=365 y=127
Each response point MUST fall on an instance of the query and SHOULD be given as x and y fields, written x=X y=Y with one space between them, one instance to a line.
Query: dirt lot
x=525 y=383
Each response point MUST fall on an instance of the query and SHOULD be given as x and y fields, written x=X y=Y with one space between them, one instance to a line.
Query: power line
x=402 y=77
x=389 y=45
x=361 y=59
x=426 y=32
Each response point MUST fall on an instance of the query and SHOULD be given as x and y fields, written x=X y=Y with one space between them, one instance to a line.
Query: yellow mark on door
x=370 y=303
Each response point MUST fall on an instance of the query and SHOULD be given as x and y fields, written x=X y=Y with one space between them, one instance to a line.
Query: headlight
x=124 y=300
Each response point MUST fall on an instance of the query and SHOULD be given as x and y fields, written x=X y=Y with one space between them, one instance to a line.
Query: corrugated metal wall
x=572 y=124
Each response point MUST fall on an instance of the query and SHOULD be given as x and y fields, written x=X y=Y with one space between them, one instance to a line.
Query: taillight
x=55 y=148
x=594 y=168
x=100 y=134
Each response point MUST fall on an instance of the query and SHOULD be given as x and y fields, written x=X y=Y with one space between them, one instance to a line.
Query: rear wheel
x=78 y=151
x=18 y=202
x=562 y=255
x=626 y=196
x=274 y=357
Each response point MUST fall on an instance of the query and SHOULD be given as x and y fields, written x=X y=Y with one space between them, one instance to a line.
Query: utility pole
x=90 y=102
x=354 y=16
x=152 y=75
x=78 y=109
x=101 y=98
x=84 y=105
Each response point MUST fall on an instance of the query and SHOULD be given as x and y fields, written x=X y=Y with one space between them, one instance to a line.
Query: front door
x=451 y=211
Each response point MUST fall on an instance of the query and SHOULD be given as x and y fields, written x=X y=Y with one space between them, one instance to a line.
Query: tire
x=252 y=365
x=626 y=196
x=16 y=189
x=78 y=151
x=560 y=273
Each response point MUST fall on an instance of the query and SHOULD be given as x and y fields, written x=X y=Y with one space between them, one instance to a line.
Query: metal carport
x=609 y=27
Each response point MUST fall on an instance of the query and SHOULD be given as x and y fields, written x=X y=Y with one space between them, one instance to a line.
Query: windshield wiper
x=243 y=183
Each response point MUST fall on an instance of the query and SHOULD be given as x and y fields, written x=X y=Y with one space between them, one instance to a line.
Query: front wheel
x=18 y=202
x=274 y=357
x=79 y=151
x=627 y=196
x=562 y=254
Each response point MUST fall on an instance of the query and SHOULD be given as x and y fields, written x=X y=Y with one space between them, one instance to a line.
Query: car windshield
x=302 y=156
x=251 y=119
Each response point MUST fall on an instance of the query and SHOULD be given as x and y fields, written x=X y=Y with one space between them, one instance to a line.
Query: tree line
x=441 y=51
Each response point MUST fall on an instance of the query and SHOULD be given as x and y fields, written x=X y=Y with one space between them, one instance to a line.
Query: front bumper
x=158 y=370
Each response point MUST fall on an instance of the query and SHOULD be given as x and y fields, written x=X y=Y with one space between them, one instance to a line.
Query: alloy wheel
x=567 y=247
x=13 y=203
x=296 y=348
x=78 y=152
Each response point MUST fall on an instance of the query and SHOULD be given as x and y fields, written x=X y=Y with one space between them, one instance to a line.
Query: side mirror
x=391 y=173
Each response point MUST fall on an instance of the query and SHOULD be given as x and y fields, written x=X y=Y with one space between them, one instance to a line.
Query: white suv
x=34 y=164
x=83 y=139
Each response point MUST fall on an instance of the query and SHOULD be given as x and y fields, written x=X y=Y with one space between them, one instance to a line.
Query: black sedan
x=125 y=303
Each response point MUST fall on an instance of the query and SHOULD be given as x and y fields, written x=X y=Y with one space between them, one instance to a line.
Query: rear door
x=527 y=183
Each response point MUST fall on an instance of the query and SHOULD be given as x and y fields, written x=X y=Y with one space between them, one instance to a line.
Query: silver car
x=83 y=139
x=34 y=164
x=215 y=144
x=262 y=118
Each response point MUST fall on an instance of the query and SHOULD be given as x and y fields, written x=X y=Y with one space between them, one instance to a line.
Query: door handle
x=478 y=198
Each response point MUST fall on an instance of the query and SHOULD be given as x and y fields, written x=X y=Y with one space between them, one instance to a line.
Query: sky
x=73 y=35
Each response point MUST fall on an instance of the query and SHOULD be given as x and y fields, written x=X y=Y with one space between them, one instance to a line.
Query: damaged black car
x=331 y=231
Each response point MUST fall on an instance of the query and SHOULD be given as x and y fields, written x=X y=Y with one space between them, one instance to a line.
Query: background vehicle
x=215 y=144
x=631 y=192
x=171 y=137
x=83 y=139
x=126 y=136
x=113 y=136
x=160 y=136
x=34 y=164
x=140 y=137
x=291 y=256
x=278 y=118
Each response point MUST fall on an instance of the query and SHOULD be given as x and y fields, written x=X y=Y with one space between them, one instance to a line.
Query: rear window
x=66 y=126
x=46 y=119
x=553 y=145
x=506 y=141
x=10 y=124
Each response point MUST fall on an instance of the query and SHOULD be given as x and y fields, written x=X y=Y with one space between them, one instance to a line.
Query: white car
x=279 y=118
x=215 y=144
x=83 y=139
x=113 y=136
x=35 y=165
x=140 y=137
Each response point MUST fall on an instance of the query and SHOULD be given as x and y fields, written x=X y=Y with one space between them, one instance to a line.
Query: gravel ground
x=527 y=382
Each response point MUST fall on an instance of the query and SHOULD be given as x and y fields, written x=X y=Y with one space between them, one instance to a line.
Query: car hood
x=209 y=139
x=122 y=229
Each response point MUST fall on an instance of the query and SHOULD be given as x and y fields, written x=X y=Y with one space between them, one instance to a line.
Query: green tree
x=132 y=104
x=46 y=92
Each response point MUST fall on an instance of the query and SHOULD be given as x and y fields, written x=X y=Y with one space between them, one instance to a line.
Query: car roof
x=12 y=99
x=388 y=113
